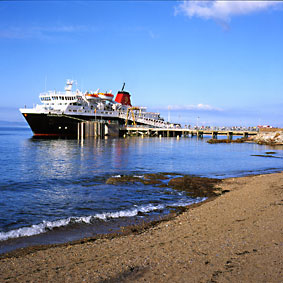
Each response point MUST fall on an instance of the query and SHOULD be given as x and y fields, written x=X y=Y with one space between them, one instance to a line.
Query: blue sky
x=219 y=61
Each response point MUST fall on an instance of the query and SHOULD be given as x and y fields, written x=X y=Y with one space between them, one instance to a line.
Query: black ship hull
x=61 y=125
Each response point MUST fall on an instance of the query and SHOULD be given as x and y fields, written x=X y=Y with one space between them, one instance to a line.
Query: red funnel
x=124 y=98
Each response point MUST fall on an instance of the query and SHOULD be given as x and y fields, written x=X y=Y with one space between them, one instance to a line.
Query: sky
x=217 y=63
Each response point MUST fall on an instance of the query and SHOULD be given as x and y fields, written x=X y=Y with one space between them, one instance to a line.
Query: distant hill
x=13 y=124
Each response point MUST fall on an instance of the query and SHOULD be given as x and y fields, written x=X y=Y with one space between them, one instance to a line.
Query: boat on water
x=60 y=112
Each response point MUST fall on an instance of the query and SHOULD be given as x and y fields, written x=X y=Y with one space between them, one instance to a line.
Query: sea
x=54 y=190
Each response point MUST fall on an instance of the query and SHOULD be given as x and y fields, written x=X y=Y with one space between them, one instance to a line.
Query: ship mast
x=69 y=85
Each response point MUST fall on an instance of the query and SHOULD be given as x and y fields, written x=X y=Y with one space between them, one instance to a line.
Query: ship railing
x=54 y=92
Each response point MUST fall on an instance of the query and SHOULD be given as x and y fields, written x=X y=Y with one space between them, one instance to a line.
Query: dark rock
x=196 y=186
x=157 y=176
x=265 y=155
x=123 y=179
x=154 y=179
x=193 y=186
x=151 y=182
x=240 y=140
x=149 y=179
x=213 y=141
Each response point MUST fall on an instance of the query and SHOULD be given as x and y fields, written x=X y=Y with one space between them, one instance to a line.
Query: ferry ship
x=60 y=112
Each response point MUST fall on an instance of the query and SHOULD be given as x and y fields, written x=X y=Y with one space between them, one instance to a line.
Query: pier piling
x=97 y=129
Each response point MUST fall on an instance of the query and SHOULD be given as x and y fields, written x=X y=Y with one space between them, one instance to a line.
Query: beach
x=236 y=237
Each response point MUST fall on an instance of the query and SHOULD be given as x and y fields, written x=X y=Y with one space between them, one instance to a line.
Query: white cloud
x=200 y=106
x=223 y=10
x=39 y=32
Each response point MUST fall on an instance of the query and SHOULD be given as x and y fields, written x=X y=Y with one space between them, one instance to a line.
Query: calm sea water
x=54 y=190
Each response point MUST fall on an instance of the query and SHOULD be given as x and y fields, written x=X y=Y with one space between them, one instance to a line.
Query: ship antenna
x=123 y=87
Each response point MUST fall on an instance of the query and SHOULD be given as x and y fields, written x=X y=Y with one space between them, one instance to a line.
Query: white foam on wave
x=116 y=176
x=186 y=202
x=49 y=225
x=40 y=228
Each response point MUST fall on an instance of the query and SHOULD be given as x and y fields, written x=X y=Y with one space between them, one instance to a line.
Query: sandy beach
x=236 y=237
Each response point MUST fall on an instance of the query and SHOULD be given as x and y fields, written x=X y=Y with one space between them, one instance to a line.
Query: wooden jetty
x=182 y=132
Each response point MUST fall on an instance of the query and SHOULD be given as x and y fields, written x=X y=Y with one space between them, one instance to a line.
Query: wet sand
x=236 y=237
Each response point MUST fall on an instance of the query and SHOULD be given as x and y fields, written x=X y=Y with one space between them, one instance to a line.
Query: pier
x=97 y=129
x=183 y=132
x=102 y=129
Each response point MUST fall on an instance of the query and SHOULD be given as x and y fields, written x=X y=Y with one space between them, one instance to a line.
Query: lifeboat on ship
x=106 y=95
x=93 y=96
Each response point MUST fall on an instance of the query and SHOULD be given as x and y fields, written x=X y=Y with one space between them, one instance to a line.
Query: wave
x=46 y=226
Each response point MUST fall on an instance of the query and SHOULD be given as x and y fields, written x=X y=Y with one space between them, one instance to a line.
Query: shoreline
x=125 y=230
x=129 y=225
x=235 y=237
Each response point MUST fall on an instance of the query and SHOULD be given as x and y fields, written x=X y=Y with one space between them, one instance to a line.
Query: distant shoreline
x=14 y=125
